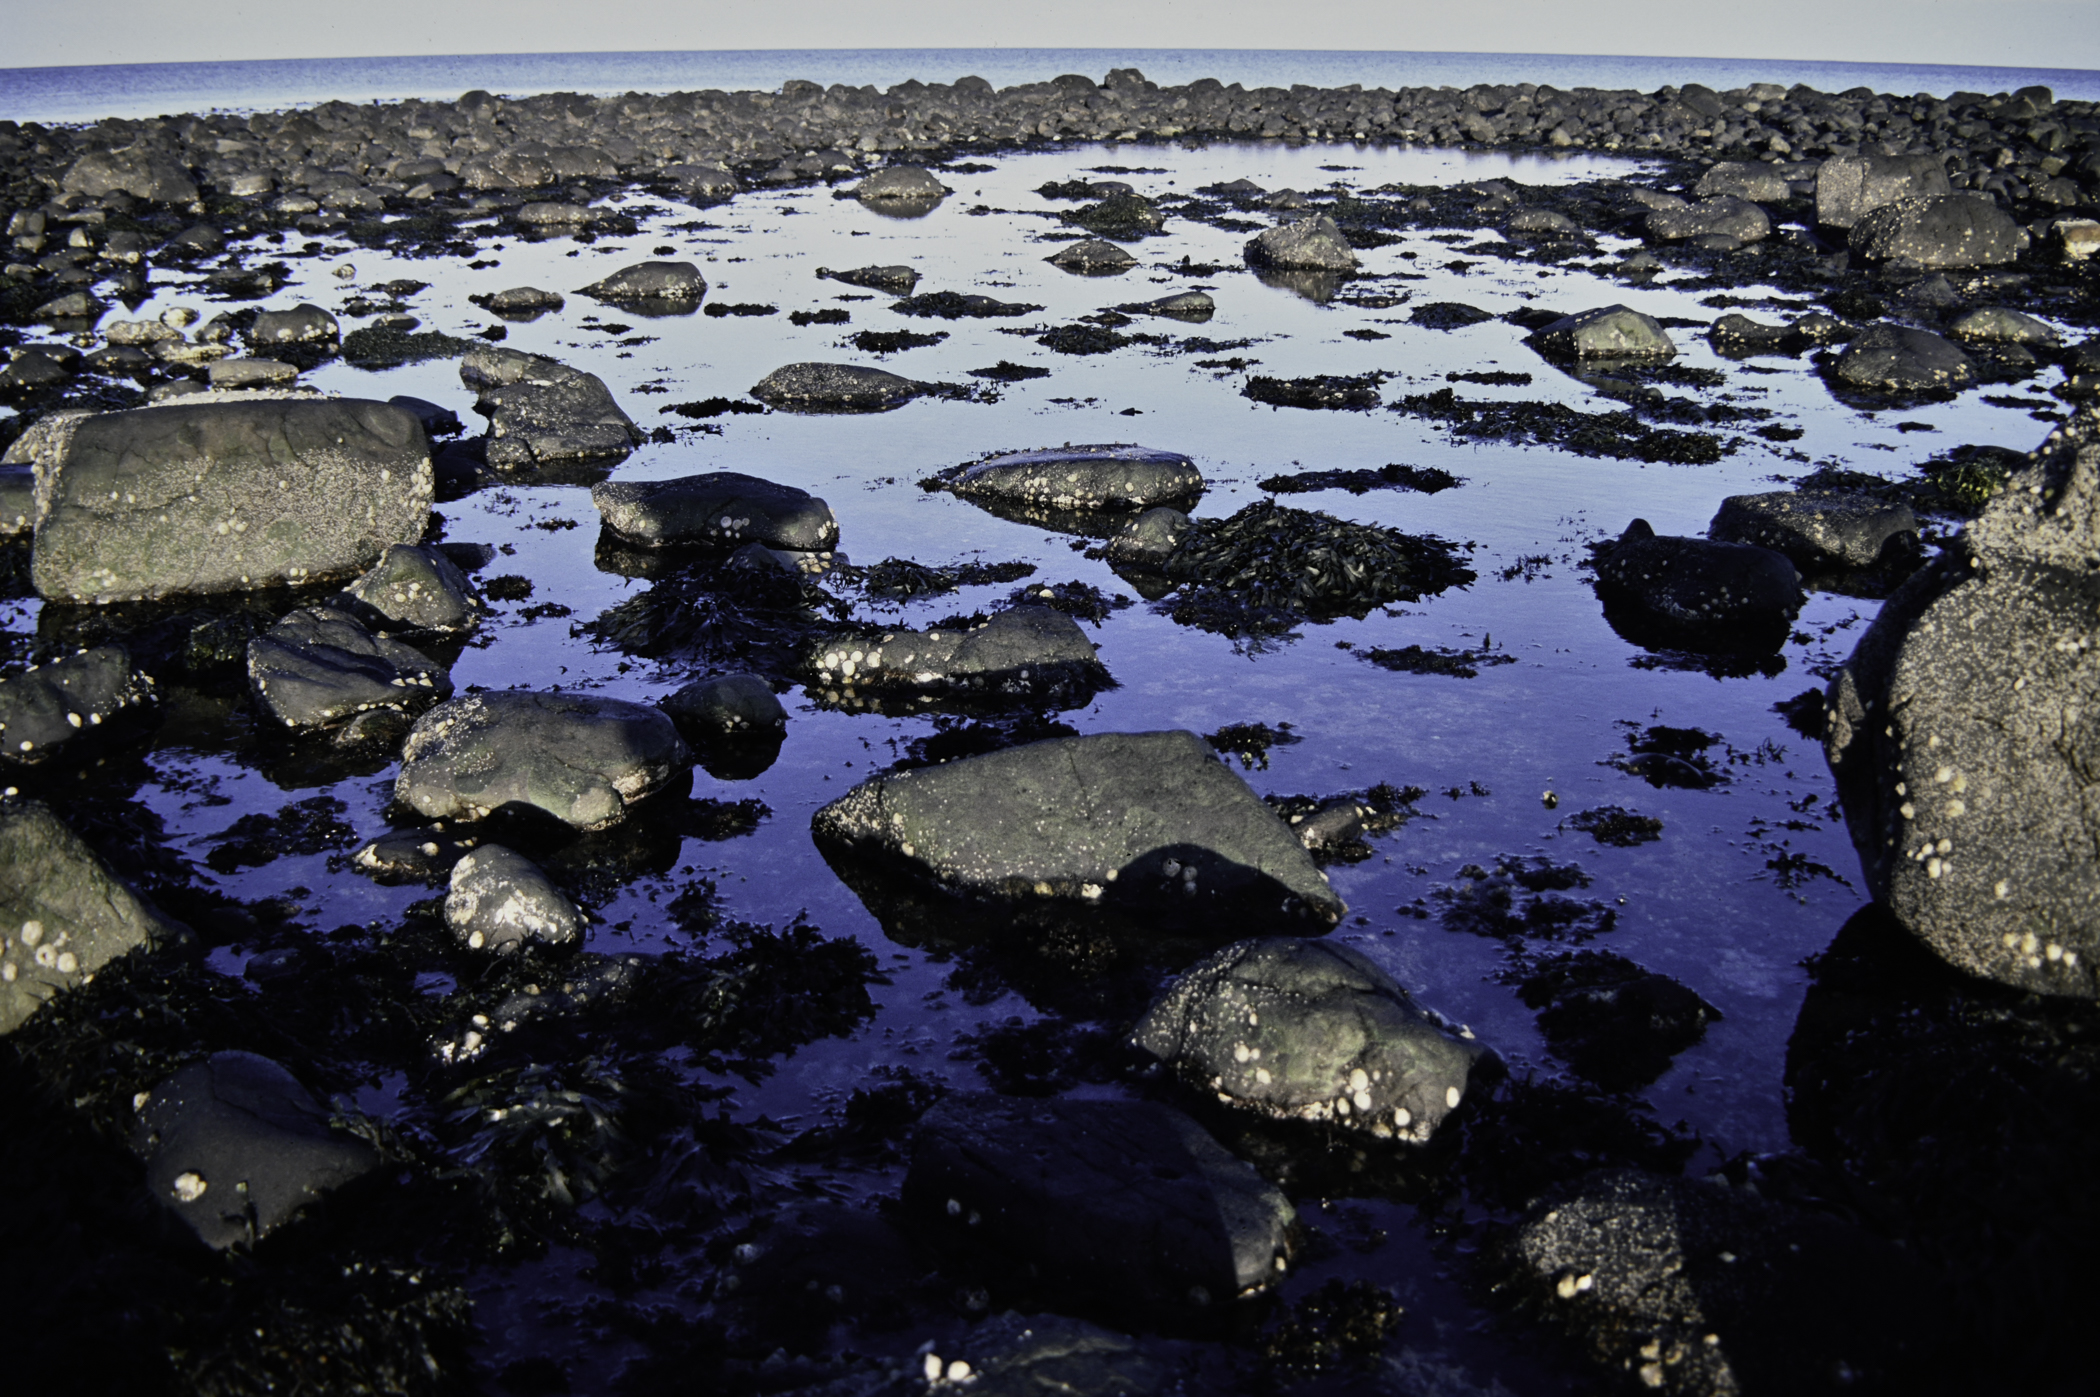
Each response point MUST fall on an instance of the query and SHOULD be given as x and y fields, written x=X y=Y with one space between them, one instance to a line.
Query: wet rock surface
x=724 y=509
x=1110 y=477
x=1311 y=1031
x=1695 y=593
x=543 y=412
x=53 y=711
x=499 y=900
x=1816 y=529
x=1025 y=654
x=320 y=666
x=834 y=388
x=414 y=588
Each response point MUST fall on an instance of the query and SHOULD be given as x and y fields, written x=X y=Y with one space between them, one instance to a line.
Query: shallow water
x=1703 y=904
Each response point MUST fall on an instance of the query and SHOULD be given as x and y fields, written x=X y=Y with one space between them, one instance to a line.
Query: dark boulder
x=413 y=587
x=1093 y=820
x=519 y=300
x=1112 y=476
x=1722 y=215
x=543 y=413
x=302 y=324
x=1693 y=594
x=143 y=172
x=895 y=278
x=499 y=900
x=1885 y=358
x=1092 y=257
x=1313 y=243
x=1609 y=332
x=834 y=388
x=320 y=666
x=1025 y=654
x=54 y=710
x=1953 y=231
x=1124 y=1206
x=1759 y=183
x=722 y=509
x=678 y=282
x=1148 y=541
x=1849 y=187
x=726 y=705
x=1963 y=734
x=1311 y=1030
x=900 y=184
x=580 y=758
x=235 y=1147
x=1816 y=529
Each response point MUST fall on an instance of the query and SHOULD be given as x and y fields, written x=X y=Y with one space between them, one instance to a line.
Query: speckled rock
x=1965 y=734
x=651 y=281
x=1024 y=652
x=142 y=171
x=1313 y=243
x=225 y=496
x=1957 y=230
x=811 y=387
x=235 y=1147
x=50 y=711
x=499 y=900
x=519 y=300
x=63 y=914
x=580 y=758
x=1149 y=540
x=1848 y=187
x=1706 y=1290
x=1311 y=1030
x=1995 y=325
x=1609 y=332
x=543 y=412
x=1141 y=819
x=721 y=509
x=1722 y=215
x=17 y=499
x=320 y=666
x=1696 y=594
x=895 y=278
x=1127 y=1203
x=900 y=183
x=304 y=323
x=1820 y=529
x=727 y=705
x=1760 y=184
x=1184 y=305
x=1112 y=476
x=1888 y=358
x=414 y=587
x=1092 y=257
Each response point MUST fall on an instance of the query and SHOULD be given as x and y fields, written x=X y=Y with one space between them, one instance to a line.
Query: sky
x=2011 y=33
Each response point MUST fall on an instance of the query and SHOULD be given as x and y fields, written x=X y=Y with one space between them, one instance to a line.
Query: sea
x=91 y=92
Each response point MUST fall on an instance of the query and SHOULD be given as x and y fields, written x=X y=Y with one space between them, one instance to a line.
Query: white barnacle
x=1451 y=1098
x=934 y=1367
x=68 y=962
x=32 y=932
x=189 y=1187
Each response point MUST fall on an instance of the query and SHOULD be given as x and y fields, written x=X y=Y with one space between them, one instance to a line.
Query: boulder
x=895 y=278
x=834 y=388
x=1759 y=183
x=1314 y=244
x=1962 y=732
x=580 y=758
x=63 y=914
x=437 y=421
x=650 y=281
x=155 y=176
x=1957 y=230
x=250 y=373
x=1738 y=334
x=901 y=184
x=1609 y=332
x=413 y=587
x=519 y=300
x=543 y=413
x=1126 y=1205
x=1025 y=653
x=721 y=509
x=1184 y=305
x=303 y=324
x=319 y=666
x=499 y=900
x=702 y=181
x=1723 y=215
x=49 y=711
x=1108 y=476
x=1311 y=1030
x=1703 y=1289
x=225 y=496
x=235 y=1147
x=1849 y=187
x=1146 y=819
x=727 y=705
x=1885 y=358
x=1819 y=530
x=1993 y=325
x=547 y=214
x=1694 y=594
x=1548 y=221
x=1092 y=257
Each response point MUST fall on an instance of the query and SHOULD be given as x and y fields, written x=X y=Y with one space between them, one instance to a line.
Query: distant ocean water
x=81 y=94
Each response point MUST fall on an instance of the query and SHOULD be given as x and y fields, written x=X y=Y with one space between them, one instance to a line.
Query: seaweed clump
x=1426 y=480
x=1270 y=566
x=1617 y=435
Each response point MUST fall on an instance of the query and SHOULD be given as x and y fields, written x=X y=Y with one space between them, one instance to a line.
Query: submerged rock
x=1111 y=476
x=1149 y=540
x=1092 y=257
x=235 y=1147
x=52 y=710
x=1126 y=1205
x=499 y=900
x=1311 y=1030
x=413 y=587
x=63 y=913
x=895 y=278
x=676 y=282
x=1146 y=819
x=320 y=666
x=1702 y=1289
x=1886 y=358
x=1961 y=732
x=722 y=509
x=580 y=758
x=1821 y=529
x=1617 y=1024
x=1023 y=654
x=1696 y=594
x=1310 y=244
x=543 y=413
x=225 y=496
x=727 y=705
x=1610 y=332
x=814 y=387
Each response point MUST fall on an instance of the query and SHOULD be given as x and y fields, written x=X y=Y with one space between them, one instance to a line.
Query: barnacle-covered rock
x=1031 y=654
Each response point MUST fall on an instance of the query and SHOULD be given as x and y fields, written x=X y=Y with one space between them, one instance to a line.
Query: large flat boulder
x=1885 y=358
x=578 y=757
x=1147 y=819
x=63 y=914
x=225 y=496
x=1939 y=234
x=1109 y=476
x=1965 y=734
x=814 y=387
x=721 y=509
